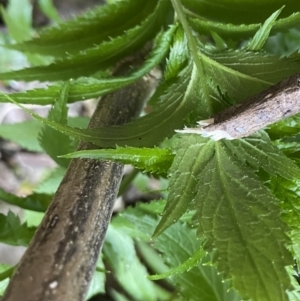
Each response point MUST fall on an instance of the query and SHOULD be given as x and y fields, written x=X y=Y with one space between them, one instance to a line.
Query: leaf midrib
x=239 y=232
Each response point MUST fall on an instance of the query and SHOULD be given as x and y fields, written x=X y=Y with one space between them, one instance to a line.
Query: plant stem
x=191 y=40
x=255 y=113
x=61 y=258
x=196 y=55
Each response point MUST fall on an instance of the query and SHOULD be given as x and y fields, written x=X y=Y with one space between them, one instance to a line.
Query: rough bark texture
x=274 y=104
x=244 y=119
x=60 y=261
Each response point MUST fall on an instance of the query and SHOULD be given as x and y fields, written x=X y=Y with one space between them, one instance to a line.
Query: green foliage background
x=229 y=227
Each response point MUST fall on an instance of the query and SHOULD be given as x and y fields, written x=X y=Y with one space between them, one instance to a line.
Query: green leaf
x=120 y=253
x=5 y=272
x=242 y=79
x=240 y=12
x=253 y=73
x=18 y=21
x=241 y=220
x=36 y=201
x=98 y=58
x=241 y=31
x=259 y=152
x=50 y=11
x=237 y=215
x=10 y=59
x=13 y=232
x=284 y=43
x=263 y=33
x=240 y=74
x=192 y=155
x=288 y=192
x=52 y=141
x=188 y=264
x=86 y=88
x=290 y=147
x=177 y=245
x=156 y=160
x=24 y=134
x=178 y=57
x=51 y=182
x=169 y=114
x=33 y=218
x=89 y=29
x=286 y=127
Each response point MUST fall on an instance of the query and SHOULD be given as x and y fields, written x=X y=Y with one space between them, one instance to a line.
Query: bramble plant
x=229 y=226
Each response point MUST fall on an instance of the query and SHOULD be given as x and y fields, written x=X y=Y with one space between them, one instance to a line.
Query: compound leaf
x=178 y=57
x=98 y=58
x=177 y=244
x=241 y=31
x=176 y=103
x=85 y=88
x=87 y=30
x=236 y=214
x=240 y=219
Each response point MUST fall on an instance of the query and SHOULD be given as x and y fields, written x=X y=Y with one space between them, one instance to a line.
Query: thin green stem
x=191 y=40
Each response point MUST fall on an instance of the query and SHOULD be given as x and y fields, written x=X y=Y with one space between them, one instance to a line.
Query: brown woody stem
x=274 y=104
x=244 y=119
x=60 y=261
